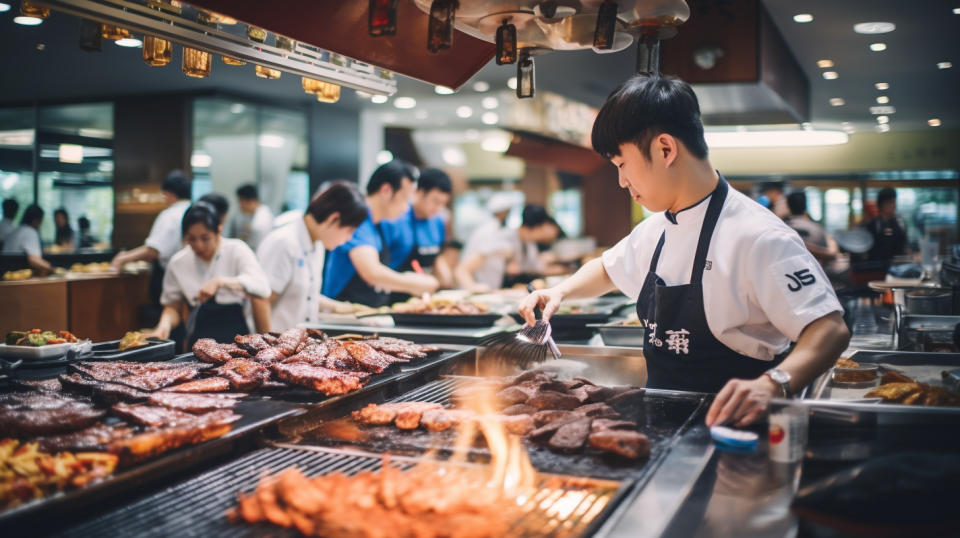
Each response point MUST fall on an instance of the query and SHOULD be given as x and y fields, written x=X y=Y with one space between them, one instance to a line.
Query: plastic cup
x=788 y=432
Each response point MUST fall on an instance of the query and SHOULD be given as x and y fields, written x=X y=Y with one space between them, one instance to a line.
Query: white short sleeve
x=788 y=283
x=31 y=243
x=276 y=261
x=165 y=236
x=248 y=270
x=172 y=291
x=621 y=264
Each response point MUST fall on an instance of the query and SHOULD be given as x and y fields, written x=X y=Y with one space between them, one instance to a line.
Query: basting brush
x=527 y=346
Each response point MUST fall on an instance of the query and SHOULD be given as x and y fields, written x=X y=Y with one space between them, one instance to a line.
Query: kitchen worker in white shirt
x=292 y=256
x=212 y=277
x=26 y=240
x=254 y=220
x=723 y=286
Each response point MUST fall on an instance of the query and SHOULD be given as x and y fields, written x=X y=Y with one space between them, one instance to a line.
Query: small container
x=864 y=375
x=788 y=431
x=734 y=440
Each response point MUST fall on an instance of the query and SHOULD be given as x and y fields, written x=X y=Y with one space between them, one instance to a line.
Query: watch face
x=780 y=376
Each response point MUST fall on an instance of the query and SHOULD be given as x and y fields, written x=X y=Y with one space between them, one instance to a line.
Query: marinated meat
x=236 y=351
x=194 y=403
x=94 y=438
x=370 y=359
x=337 y=354
x=289 y=340
x=550 y=399
x=319 y=354
x=581 y=394
x=542 y=418
x=143 y=376
x=894 y=391
x=519 y=409
x=625 y=397
x=158 y=379
x=244 y=374
x=546 y=431
x=43 y=385
x=269 y=356
x=323 y=380
x=37 y=401
x=31 y=414
x=605 y=424
x=515 y=424
x=597 y=410
x=151 y=415
x=408 y=416
x=253 y=343
x=102 y=391
x=516 y=394
x=894 y=377
x=208 y=350
x=572 y=435
x=628 y=444
x=157 y=441
x=530 y=375
x=209 y=384
x=374 y=414
x=598 y=394
x=438 y=420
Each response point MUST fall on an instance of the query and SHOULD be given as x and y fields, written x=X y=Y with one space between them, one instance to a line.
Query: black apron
x=358 y=291
x=680 y=350
x=218 y=321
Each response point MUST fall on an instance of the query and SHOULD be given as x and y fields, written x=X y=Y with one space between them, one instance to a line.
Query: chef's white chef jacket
x=761 y=285
x=166 y=236
x=294 y=267
x=496 y=243
x=186 y=274
x=252 y=228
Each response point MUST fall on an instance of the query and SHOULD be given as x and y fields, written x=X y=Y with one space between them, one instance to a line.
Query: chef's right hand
x=423 y=283
x=161 y=332
x=547 y=300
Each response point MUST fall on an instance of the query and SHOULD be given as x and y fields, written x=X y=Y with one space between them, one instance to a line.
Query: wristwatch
x=780 y=378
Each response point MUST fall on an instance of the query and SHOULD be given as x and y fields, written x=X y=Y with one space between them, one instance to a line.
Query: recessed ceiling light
x=883 y=99
x=883 y=119
x=464 y=112
x=129 y=42
x=379 y=99
x=956 y=11
x=443 y=90
x=490 y=118
x=837 y=101
x=481 y=86
x=933 y=122
x=41 y=46
x=28 y=21
x=405 y=102
x=384 y=156
x=881 y=86
x=878 y=47
x=512 y=83
x=6 y=7
x=490 y=103
x=883 y=128
x=874 y=27
x=885 y=109
x=824 y=64
x=830 y=75
x=803 y=17
x=944 y=65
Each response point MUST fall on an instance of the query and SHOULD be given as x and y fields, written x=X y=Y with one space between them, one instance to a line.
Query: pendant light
x=382 y=18
x=29 y=9
x=197 y=63
x=506 y=43
x=259 y=35
x=525 y=76
x=440 y=26
x=157 y=52
x=606 y=26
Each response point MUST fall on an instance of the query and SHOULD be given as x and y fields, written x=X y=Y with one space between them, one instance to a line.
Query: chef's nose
x=622 y=180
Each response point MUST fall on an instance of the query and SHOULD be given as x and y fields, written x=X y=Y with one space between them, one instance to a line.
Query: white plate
x=49 y=351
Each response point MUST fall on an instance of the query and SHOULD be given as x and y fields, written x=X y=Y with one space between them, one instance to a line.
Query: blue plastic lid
x=742 y=440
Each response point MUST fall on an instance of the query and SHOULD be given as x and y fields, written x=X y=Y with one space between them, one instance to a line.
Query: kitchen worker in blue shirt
x=359 y=270
x=723 y=286
x=415 y=239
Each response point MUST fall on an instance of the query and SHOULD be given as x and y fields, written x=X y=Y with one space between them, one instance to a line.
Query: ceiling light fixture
x=464 y=112
x=944 y=65
x=883 y=99
x=831 y=75
x=886 y=109
x=933 y=122
x=883 y=119
x=803 y=18
x=27 y=21
x=883 y=128
x=443 y=90
x=881 y=86
x=874 y=27
x=70 y=153
x=837 y=101
x=481 y=86
x=878 y=47
x=824 y=64
x=512 y=83
x=405 y=103
x=379 y=99
x=129 y=42
x=496 y=142
x=200 y=160
x=490 y=118
x=769 y=139
x=956 y=11
x=490 y=103
x=4 y=7
x=384 y=156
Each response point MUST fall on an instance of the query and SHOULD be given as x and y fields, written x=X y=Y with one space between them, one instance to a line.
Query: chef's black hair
x=797 y=202
x=434 y=178
x=178 y=184
x=248 y=192
x=218 y=201
x=340 y=197
x=391 y=173
x=10 y=208
x=644 y=107
x=885 y=195
x=534 y=215
x=201 y=212
x=31 y=213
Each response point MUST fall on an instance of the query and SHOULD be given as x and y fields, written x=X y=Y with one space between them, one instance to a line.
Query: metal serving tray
x=155 y=350
x=615 y=334
x=421 y=334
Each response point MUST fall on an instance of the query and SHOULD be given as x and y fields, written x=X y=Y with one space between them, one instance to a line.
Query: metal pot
x=934 y=302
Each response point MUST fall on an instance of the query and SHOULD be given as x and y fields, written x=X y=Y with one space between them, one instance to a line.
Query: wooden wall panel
x=33 y=305
x=103 y=309
x=606 y=207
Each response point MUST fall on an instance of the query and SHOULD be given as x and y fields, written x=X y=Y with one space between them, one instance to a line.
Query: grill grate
x=197 y=507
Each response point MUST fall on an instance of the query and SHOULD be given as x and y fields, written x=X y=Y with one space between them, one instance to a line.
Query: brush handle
x=537 y=314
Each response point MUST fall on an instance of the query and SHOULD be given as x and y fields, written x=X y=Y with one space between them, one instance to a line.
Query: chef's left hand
x=742 y=401
x=208 y=290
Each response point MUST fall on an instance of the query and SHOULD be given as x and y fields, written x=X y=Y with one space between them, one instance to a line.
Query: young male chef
x=723 y=286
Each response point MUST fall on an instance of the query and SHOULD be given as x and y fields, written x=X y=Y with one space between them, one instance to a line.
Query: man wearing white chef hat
x=723 y=286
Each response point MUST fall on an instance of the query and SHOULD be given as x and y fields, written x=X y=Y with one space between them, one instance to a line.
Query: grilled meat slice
x=270 y=338
x=571 y=436
x=96 y=438
x=323 y=380
x=606 y=424
x=33 y=401
x=102 y=391
x=33 y=414
x=236 y=351
x=894 y=392
x=438 y=420
x=289 y=340
x=244 y=374
x=399 y=348
x=148 y=376
x=530 y=375
x=209 y=384
x=208 y=350
x=370 y=359
x=625 y=396
x=894 y=377
x=269 y=356
x=408 y=416
x=542 y=418
x=519 y=409
x=516 y=394
x=328 y=354
x=375 y=415
x=550 y=399
x=42 y=385
x=515 y=424
x=151 y=415
x=545 y=432
x=253 y=343
x=154 y=442
x=597 y=410
x=158 y=379
x=628 y=444
x=195 y=403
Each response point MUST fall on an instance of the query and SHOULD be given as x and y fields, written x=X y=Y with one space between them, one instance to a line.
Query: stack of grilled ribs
x=304 y=357
x=565 y=415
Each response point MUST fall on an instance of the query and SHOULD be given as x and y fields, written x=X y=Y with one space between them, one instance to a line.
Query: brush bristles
x=522 y=348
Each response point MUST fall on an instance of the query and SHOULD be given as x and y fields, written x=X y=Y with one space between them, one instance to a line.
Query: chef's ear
x=666 y=146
